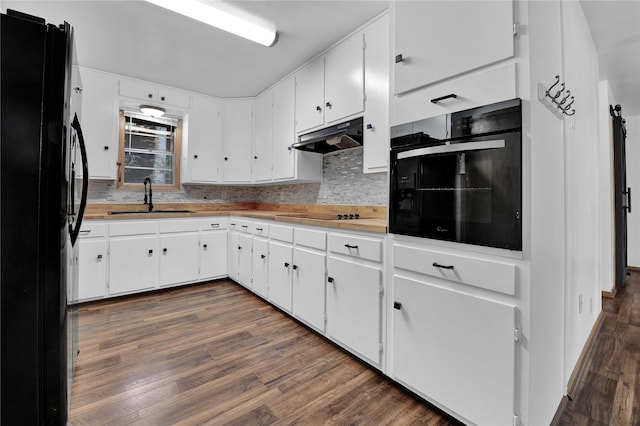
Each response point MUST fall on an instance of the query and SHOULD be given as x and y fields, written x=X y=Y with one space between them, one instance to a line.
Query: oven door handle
x=455 y=147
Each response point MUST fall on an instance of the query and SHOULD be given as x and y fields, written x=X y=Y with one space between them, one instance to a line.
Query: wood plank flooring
x=609 y=393
x=216 y=354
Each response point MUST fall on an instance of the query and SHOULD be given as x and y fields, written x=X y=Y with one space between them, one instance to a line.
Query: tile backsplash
x=343 y=182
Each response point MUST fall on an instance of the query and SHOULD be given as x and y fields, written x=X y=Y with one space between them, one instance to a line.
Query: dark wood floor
x=216 y=354
x=609 y=392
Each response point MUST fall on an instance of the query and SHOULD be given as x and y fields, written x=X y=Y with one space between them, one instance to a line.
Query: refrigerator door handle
x=74 y=231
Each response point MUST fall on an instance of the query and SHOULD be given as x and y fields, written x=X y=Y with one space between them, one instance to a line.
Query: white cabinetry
x=456 y=349
x=308 y=284
x=213 y=247
x=354 y=294
x=133 y=257
x=153 y=94
x=284 y=157
x=92 y=269
x=179 y=251
x=237 y=136
x=376 y=87
x=280 y=273
x=259 y=267
x=331 y=88
x=100 y=123
x=201 y=159
x=483 y=35
x=263 y=149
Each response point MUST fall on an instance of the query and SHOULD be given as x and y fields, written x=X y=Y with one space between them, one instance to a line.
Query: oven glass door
x=468 y=192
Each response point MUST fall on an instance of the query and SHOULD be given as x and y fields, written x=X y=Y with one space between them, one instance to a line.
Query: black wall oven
x=458 y=177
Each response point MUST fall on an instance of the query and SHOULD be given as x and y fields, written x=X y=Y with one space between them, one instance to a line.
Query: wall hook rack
x=556 y=99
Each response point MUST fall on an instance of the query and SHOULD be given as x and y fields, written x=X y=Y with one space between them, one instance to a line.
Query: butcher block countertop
x=371 y=218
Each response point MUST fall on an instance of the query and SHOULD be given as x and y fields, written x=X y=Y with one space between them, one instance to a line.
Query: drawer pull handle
x=286 y=264
x=397 y=306
x=318 y=108
x=399 y=58
x=258 y=229
x=262 y=256
x=330 y=279
x=295 y=267
x=216 y=225
x=86 y=231
x=232 y=224
x=350 y=246
x=99 y=257
x=442 y=98
x=437 y=265
x=245 y=226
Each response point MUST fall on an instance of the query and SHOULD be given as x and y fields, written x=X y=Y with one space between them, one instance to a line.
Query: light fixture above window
x=220 y=19
x=151 y=110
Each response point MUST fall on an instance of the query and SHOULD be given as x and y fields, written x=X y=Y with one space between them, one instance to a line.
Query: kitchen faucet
x=147 y=180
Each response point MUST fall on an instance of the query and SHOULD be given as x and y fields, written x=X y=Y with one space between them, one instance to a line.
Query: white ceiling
x=141 y=40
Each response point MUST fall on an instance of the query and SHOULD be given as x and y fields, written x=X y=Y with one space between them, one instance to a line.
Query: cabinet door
x=100 y=123
x=262 y=152
x=139 y=90
x=456 y=349
x=179 y=258
x=284 y=129
x=237 y=134
x=174 y=97
x=344 y=79
x=133 y=264
x=309 y=287
x=92 y=282
x=213 y=254
x=280 y=268
x=310 y=96
x=203 y=140
x=354 y=308
x=441 y=39
x=233 y=254
x=244 y=259
x=376 y=114
x=260 y=278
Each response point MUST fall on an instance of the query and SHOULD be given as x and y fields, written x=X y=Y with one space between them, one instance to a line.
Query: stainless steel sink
x=152 y=212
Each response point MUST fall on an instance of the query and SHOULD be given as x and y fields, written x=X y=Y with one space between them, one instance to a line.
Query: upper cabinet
x=100 y=122
x=152 y=94
x=331 y=87
x=237 y=135
x=201 y=158
x=436 y=40
x=262 y=150
x=284 y=132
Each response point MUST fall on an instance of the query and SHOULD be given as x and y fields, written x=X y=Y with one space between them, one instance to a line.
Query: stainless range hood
x=341 y=136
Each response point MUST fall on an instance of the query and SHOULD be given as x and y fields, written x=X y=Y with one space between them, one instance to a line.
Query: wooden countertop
x=372 y=218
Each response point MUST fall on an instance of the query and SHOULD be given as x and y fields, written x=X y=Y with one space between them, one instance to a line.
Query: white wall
x=633 y=181
x=582 y=286
x=606 y=237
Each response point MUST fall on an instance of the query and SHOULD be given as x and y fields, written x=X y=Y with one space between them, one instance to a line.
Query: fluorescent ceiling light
x=151 y=110
x=220 y=19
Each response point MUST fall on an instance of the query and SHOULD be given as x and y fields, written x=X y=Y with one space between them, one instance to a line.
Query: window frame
x=121 y=163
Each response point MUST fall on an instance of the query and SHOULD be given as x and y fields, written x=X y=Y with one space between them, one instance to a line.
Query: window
x=149 y=147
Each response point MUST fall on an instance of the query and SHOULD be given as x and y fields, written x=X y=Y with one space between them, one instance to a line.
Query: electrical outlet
x=580 y=304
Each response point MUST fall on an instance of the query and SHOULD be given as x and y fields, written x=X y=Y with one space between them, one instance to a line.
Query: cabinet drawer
x=472 y=90
x=355 y=246
x=488 y=274
x=142 y=227
x=281 y=233
x=213 y=223
x=92 y=230
x=259 y=228
x=311 y=238
x=239 y=224
x=168 y=226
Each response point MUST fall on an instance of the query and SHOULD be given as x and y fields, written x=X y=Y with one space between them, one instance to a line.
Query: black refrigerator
x=39 y=216
x=622 y=193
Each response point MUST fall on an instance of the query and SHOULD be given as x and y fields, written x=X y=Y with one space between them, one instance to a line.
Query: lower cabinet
x=213 y=254
x=245 y=243
x=354 y=306
x=308 y=287
x=456 y=349
x=233 y=252
x=92 y=274
x=280 y=273
x=259 y=267
x=133 y=264
x=179 y=258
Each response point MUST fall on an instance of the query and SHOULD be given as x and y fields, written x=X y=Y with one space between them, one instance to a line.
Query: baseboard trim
x=634 y=268
x=580 y=367
x=610 y=294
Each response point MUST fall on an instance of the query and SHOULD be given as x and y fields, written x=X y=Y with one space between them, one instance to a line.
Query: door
x=344 y=80
x=203 y=133
x=237 y=134
x=308 y=287
x=262 y=150
x=92 y=282
x=280 y=271
x=244 y=259
x=284 y=129
x=622 y=196
x=260 y=279
x=133 y=264
x=310 y=96
x=233 y=254
x=213 y=254
x=179 y=258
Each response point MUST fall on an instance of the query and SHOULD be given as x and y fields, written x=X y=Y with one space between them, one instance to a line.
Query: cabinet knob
x=369 y=126
x=286 y=264
x=226 y=158
x=295 y=267
x=399 y=58
x=106 y=148
x=164 y=250
x=239 y=247
x=255 y=157
x=99 y=257
x=328 y=104
x=204 y=246
x=397 y=305
x=150 y=95
x=195 y=156
x=262 y=256
x=150 y=251
x=162 y=98
x=330 y=279
x=318 y=108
